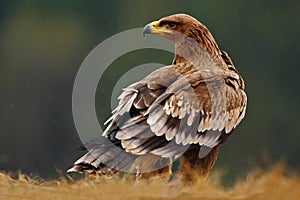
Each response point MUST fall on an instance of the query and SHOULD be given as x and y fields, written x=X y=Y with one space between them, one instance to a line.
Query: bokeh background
x=43 y=43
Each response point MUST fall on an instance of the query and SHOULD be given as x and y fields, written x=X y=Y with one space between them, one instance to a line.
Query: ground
x=275 y=183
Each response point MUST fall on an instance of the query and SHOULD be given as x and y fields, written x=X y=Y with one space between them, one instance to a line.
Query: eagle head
x=186 y=33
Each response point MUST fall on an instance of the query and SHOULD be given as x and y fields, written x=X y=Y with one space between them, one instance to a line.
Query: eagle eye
x=172 y=25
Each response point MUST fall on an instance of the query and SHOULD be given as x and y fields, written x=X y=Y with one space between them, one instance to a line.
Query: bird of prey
x=181 y=111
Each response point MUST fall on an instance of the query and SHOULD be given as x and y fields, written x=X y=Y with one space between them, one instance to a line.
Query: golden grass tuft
x=271 y=184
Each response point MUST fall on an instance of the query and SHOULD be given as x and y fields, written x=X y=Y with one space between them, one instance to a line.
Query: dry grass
x=272 y=184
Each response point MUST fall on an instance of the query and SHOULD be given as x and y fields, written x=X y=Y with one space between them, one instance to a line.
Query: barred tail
x=103 y=157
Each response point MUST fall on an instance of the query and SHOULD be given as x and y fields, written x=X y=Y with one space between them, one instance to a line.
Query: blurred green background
x=43 y=43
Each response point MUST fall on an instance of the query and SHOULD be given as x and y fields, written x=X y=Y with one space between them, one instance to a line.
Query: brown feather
x=194 y=103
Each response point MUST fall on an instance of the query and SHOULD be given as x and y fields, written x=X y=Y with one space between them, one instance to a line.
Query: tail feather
x=103 y=160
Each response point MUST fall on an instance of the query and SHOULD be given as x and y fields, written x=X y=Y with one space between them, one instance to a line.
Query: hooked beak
x=154 y=27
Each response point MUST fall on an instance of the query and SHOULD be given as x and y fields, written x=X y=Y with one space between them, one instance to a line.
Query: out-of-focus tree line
x=43 y=43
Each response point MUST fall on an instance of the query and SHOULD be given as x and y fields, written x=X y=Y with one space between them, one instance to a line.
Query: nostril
x=155 y=24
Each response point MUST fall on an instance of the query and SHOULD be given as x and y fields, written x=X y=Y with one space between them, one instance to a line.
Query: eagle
x=181 y=111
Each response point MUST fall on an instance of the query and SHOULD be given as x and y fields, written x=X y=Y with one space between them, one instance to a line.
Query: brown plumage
x=182 y=110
